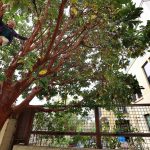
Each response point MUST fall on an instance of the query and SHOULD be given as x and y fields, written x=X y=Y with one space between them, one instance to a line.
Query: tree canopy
x=74 y=47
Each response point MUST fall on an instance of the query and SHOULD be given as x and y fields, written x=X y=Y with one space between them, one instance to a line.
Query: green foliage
x=2 y=77
x=59 y=121
x=112 y=35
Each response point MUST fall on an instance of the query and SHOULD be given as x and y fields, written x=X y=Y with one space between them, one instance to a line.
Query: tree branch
x=60 y=16
x=26 y=102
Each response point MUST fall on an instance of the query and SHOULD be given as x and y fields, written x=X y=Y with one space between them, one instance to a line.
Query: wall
x=7 y=133
x=137 y=70
x=18 y=147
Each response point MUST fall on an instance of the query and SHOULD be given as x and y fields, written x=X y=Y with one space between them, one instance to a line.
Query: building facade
x=136 y=119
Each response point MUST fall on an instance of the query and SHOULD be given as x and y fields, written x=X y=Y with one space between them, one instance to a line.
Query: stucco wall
x=137 y=70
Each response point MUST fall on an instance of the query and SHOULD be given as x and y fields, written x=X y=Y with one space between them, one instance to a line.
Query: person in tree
x=7 y=32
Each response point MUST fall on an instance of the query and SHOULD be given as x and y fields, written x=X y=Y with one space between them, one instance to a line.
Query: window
x=122 y=109
x=147 y=117
x=137 y=94
x=105 y=124
x=123 y=125
x=146 y=68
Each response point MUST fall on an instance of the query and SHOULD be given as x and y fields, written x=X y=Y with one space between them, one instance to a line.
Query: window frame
x=148 y=78
x=146 y=119
x=138 y=95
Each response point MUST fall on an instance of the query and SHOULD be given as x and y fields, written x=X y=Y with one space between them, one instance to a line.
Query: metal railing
x=99 y=129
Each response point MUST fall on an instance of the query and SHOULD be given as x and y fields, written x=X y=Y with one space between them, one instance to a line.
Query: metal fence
x=124 y=127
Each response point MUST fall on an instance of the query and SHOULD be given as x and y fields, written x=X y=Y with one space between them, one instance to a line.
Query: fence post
x=24 y=127
x=97 y=124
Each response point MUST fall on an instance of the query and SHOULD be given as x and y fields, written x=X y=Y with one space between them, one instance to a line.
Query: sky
x=146 y=9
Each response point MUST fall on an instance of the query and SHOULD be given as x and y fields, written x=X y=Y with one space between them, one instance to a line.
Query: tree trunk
x=4 y=115
x=6 y=101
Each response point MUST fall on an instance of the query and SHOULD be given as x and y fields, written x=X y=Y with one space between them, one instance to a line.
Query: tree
x=73 y=45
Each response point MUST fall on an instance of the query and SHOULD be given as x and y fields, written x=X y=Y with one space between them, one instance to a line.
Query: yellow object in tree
x=74 y=11
x=43 y=72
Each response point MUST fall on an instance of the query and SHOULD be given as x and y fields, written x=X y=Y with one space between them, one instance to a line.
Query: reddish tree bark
x=4 y=115
x=11 y=89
